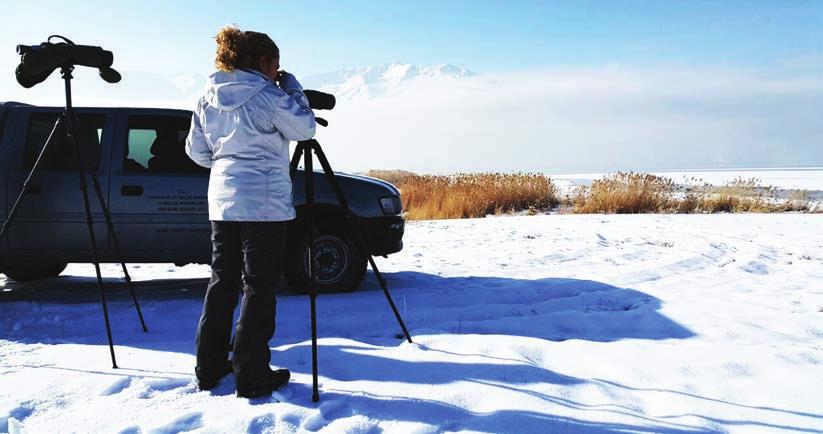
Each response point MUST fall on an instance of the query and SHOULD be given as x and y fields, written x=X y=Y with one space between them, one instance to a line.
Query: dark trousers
x=251 y=252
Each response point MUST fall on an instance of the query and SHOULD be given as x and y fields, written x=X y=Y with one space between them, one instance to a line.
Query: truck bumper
x=384 y=234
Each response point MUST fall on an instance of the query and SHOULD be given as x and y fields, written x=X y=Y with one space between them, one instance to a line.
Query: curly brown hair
x=239 y=49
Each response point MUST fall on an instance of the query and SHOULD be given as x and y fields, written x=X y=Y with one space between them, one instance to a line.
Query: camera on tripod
x=303 y=150
x=319 y=100
x=37 y=62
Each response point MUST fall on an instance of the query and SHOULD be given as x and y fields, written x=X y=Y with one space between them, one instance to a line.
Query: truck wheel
x=27 y=271
x=339 y=264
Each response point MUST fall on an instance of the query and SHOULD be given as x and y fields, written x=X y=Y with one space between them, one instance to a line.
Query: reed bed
x=632 y=193
x=467 y=195
x=626 y=193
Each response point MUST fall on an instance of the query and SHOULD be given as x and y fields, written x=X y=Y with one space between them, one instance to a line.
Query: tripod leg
x=95 y=182
x=29 y=178
x=295 y=159
x=357 y=231
x=315 y=393
x=309 y=179
x=81 y=169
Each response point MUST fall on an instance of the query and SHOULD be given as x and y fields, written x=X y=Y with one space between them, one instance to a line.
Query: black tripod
x=68 y=120
x=304 y=150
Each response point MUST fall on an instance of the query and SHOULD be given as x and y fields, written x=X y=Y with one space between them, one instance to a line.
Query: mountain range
x=351 y=83
x=378 y=80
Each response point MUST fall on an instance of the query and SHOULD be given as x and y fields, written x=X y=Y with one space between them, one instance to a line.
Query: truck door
x=52 y=215
x=158 y=195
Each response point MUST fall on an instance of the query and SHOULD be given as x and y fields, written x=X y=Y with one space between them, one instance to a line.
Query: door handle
x=131 y=190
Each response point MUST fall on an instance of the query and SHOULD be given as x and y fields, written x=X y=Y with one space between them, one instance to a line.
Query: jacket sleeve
x=284 y=110
x=197 y=147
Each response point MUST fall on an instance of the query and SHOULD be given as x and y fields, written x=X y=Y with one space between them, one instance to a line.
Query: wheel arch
x=323 y=213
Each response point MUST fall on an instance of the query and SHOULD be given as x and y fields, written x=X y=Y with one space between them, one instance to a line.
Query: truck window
x=61 y=155
x=156 y=144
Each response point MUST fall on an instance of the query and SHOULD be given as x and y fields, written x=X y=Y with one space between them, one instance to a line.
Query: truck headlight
x=391 y=205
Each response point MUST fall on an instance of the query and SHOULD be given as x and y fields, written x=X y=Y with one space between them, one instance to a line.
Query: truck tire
x=340 y=265
x=34 y=270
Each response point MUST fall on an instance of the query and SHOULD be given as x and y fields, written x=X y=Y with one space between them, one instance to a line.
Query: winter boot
x=211 y=383
x=269 y=382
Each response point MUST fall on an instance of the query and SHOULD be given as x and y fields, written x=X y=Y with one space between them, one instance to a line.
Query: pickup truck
x=157 y=198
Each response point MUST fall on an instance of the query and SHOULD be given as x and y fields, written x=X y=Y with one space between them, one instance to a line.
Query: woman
x=241 y=129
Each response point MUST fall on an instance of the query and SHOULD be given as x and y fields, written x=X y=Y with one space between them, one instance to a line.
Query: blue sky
x=485 y=36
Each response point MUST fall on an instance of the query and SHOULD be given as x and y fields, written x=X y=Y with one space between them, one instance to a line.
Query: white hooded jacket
x=241 y=129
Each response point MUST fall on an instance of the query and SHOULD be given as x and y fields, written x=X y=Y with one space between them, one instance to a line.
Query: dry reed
x=644 y=193
x=626 y=193
x=468 y=195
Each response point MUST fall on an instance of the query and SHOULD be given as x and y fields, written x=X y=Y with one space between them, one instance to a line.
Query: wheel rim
x=331 y=259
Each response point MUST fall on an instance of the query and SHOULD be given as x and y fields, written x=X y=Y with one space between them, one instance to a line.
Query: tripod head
x=37 y=62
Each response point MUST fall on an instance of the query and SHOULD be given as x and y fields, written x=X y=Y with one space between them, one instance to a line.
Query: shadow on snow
x=551 y=308
x=58 y=311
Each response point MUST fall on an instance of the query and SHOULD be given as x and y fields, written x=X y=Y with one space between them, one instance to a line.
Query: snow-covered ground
x=561 y=323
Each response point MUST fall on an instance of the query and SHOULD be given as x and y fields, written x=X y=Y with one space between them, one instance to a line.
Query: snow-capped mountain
x=376 y=80
x=345 y=84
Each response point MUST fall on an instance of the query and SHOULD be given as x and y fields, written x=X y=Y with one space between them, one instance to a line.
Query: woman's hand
x=282 y=77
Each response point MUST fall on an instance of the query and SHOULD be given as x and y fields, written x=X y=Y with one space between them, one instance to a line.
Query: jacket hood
x=229 y=90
